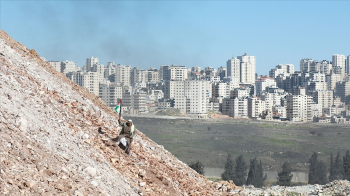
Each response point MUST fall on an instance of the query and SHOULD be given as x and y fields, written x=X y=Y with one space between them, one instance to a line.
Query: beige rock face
x=50 y=144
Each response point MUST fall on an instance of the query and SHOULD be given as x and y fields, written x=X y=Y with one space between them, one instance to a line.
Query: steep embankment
x=49 y=143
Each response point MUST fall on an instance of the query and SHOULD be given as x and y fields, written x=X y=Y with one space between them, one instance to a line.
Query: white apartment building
x=56 y=65
x=348 y=65
x=138 y=75
x=234 y=68
x=65 y=66
x=332 y=80
x=100 y=69
x=122 y=74
x=338 y=60
x=139 y=99
x=240 y=93
x=173 y=72
x=89 y=80
x=191 y=96
x=152 y=76
x=196 y=69
x=263 y=82
x=171 y=88
x=298 y=108
x=323 y=97
x=255 y=107
x=90 y=63
x=110 y=93
x=109 y=71
x=305 y=65
x=220 y=90
x=235 y=107
x=343 y=91
x=247 y=68
x=285 y=69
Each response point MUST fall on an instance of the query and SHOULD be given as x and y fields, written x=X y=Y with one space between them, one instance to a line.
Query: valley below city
x=210 y=140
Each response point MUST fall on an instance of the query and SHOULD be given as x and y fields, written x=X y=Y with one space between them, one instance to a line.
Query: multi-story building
x=89 y=80
x=247 y=68
x=192 y=96
x=100 y=69
x=323 y=97
x=220 y=89
x=305 y=65
x=122 y=74
x=69 y=66
x=235 y=107
x=171 y=88
x=138 y=75
x=90 y=63
x=56 y=65
x=110 y=93
x=222 y=72
x=255 y=107
x=348 y=64
x=338 y=60
x=109 y=71
x=139 y=99
x=234 y=68
x=240 y=93
x=263 y=82
x=332 y=80
x=285 y=69
x=152 y=76
x=299 y=108
x=343 y=91
x=173 y=72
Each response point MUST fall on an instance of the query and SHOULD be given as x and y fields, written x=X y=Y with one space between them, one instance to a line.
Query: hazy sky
x=204 y=33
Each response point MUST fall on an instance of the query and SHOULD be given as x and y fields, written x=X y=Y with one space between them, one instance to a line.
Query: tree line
x=339 y=169
x=237 y=170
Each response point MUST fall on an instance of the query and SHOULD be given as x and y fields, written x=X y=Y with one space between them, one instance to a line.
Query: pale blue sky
x=204 y=33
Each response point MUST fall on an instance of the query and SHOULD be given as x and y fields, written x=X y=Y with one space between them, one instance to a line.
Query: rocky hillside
x=50 y=144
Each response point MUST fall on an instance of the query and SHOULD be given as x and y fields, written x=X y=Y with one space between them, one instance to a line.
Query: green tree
x=317 y=170
x=285 y=176
x=331 y=169
x=346 y=163
x=336 y=169
x=229 y=172
x=321 y=173
x=240 y=171
x=256 y=174
x=198 y=167
x=312 y=169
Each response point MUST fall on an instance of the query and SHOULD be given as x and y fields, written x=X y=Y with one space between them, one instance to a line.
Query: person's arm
x=121 y=123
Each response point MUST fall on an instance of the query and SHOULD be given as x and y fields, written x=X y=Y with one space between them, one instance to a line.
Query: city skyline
x=206 y=34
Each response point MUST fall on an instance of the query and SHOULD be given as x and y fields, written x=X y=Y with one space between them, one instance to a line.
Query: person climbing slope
x=128 y=132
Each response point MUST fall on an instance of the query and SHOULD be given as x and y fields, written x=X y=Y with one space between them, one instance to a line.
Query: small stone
x=59 y=187
x=78 y=193
x=142 y=173
x=142 y=184
x=90 y=171
x=64 y=177
x=94 y=183
x=29 y=184
x=10 y=181
x=86 y=136
x=114 y=160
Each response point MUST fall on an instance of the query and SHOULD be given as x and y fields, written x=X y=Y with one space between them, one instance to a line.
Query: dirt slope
x=49 y=143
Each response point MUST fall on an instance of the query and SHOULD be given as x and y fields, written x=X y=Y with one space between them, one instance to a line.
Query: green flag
x=117 y=108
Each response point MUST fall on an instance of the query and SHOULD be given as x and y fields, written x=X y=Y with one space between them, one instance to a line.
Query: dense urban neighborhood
x=319 y=92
